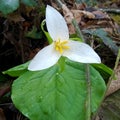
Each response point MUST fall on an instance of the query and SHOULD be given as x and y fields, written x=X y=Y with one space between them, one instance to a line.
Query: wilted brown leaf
x=115 y=84
x=81 y=13
x=67 y=14
x=68 y=17
x=15 y=17
x=81 y=6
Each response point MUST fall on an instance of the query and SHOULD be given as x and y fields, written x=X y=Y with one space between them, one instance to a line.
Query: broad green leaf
x=52 y=94
x=103 y=35
x=8 y=6
x=29 y=2
x=17 y=70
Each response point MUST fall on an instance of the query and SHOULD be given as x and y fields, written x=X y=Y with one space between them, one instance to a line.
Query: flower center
x=61 y=45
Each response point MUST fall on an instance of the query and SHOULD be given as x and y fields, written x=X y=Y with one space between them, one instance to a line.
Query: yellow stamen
x=60 y=45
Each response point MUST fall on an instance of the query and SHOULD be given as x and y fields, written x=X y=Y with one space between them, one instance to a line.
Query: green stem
x=46 y=33
x=61 y=63
x=88 y=98
x=77 y=28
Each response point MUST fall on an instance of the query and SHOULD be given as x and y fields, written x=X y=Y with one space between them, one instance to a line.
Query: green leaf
x=105 y=71
x=17 y=70
x=29 y=2
x=52 y=94
x=34 y=33
x=76 y=39
x=8 y=6
x=2 y=77
x=103 y=35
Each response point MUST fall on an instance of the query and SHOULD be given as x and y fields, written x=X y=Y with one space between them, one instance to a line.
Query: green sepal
x=46 y=33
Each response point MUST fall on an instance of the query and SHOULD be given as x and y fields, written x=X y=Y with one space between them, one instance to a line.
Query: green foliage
x=45 y=32
x=116 y=18
x=52 y=94
x=8 y=6
x=105 y=71
x=75 y=37
x=103 y=35
x=34 y=34
x=29 y=2
x=2 y=77
x=17 y=70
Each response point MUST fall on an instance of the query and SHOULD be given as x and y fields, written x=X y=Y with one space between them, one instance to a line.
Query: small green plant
x=64 y=81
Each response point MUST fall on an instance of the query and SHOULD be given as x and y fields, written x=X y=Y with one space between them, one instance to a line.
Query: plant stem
x=115 y=67
x=109 y=10
x=46 y=33
x=59 y=3
x=77 y=28
x=88 y=82
x=88 y=98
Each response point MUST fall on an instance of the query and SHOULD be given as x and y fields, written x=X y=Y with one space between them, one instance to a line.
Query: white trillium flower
x=62 y=45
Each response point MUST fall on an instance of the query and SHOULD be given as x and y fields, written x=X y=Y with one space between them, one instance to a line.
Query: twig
x=79 y=33
x=116 y=11
x=113 y=74
x=59 y=3
x=21 y=47
x=108 y=84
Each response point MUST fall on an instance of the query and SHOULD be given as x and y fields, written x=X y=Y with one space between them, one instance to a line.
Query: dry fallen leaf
x=75 y=14
x=81 y=13
x=68 y=15
x=115 y=84
x=15 y=17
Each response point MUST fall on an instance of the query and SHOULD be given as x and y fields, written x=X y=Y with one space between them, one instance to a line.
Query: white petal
x=81 y=52
x=56 y=24
x=45 y=58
